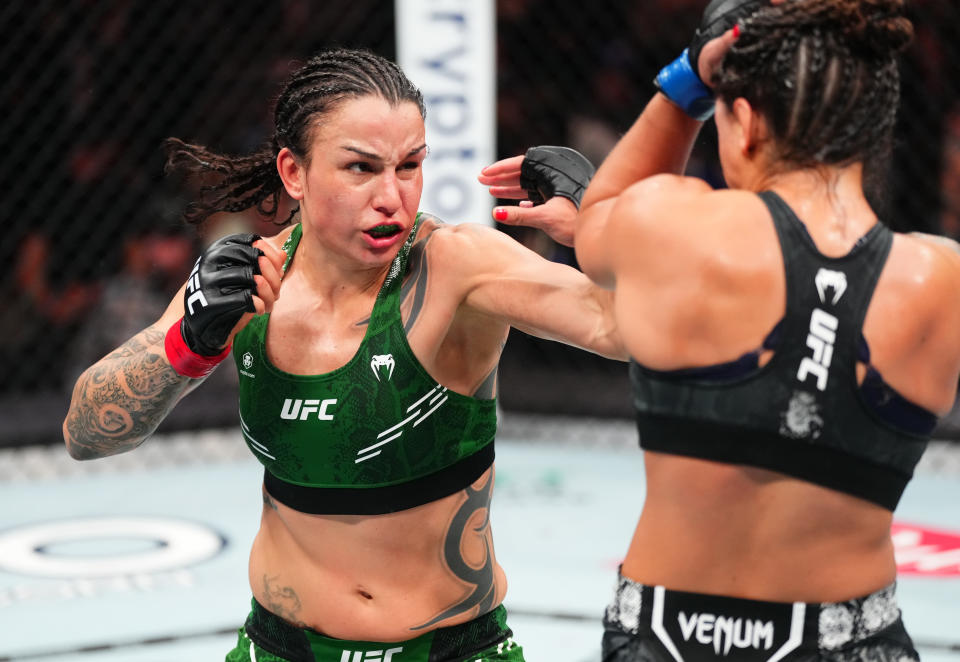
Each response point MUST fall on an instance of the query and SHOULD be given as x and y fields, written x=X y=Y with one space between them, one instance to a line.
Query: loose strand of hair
x=233 y=179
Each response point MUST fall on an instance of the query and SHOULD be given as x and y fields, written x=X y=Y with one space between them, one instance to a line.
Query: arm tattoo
x=484 y=591
x=120 y=400
x=282 y=601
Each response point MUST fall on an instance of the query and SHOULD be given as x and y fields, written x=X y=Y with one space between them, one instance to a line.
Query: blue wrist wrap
x=680 y=83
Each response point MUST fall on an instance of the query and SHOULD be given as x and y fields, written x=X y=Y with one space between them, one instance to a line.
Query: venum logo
x=724 y=633
x=827 y=279
x=382 y=364
x=369 y=656
x=294 y=409
x=821 y=339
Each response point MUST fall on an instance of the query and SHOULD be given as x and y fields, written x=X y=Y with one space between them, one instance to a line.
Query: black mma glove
x=219 y=291
x=718 y=17
x=549 y=171
x=680 y=80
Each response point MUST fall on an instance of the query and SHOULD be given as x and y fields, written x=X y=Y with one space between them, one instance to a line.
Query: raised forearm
x=660 y=141
x=119 y=401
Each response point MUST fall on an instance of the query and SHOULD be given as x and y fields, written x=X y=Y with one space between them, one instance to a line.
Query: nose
x=387 y=199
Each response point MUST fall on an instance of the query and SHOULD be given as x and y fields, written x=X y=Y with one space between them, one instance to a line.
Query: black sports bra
x=802 y=414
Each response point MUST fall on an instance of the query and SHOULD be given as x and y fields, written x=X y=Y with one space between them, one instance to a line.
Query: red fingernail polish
x=500 y=214
x=736 y=30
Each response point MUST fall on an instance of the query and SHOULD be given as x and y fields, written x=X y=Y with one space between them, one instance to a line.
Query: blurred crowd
x=93 y=245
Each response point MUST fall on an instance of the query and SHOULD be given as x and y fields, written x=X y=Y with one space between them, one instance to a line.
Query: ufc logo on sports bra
x=821 y=339
x=301 y=409
x=369 y=656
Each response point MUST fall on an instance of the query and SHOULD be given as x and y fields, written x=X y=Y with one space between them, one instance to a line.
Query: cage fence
x=94 y=246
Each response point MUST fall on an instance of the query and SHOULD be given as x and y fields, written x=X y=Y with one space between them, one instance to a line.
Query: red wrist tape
x=184 y=360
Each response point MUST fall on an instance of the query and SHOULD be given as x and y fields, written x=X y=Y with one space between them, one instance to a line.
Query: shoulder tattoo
x=413 y=292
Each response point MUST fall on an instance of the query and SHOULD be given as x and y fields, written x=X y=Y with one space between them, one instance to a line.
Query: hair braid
x=824 y=75
x=232 y=178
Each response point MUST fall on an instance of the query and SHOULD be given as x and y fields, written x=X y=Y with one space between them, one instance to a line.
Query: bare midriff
x=722 y=529
x=381 y=577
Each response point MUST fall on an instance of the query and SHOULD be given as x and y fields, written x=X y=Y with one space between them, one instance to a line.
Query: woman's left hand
x=556 y=216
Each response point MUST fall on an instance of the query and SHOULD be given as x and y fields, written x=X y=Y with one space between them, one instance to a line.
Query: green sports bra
x=376 y=435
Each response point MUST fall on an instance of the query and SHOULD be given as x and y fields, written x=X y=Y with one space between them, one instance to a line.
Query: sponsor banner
x=924 y=551
x=447 y=48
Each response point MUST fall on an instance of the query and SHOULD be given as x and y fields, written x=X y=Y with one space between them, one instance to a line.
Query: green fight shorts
x=266 y=637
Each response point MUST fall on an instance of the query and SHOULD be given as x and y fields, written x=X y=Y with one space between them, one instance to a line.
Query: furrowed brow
x=366 y=155
x=376 y=157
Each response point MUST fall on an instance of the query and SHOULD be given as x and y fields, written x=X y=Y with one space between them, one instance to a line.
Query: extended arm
x=511 y=284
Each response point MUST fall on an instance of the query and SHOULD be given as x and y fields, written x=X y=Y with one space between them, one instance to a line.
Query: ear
x=752 y=128
x=290 y=173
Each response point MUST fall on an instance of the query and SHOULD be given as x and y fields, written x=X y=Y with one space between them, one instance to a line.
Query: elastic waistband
x=384 y=499
x=687 y=622
x=458 y=642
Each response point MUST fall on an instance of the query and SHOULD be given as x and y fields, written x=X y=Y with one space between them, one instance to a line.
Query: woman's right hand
x=236 y=276
x=267 y=283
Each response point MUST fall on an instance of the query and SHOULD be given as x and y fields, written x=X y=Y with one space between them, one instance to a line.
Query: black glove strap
x=549 y=171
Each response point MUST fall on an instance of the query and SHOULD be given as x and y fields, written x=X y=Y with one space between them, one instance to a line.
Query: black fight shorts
x=653 y=624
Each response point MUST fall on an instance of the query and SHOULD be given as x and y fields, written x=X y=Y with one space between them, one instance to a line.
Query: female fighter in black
x=791 y=354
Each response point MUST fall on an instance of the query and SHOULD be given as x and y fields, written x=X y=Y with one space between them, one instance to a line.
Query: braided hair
x=824 y=74
x=313 y=91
